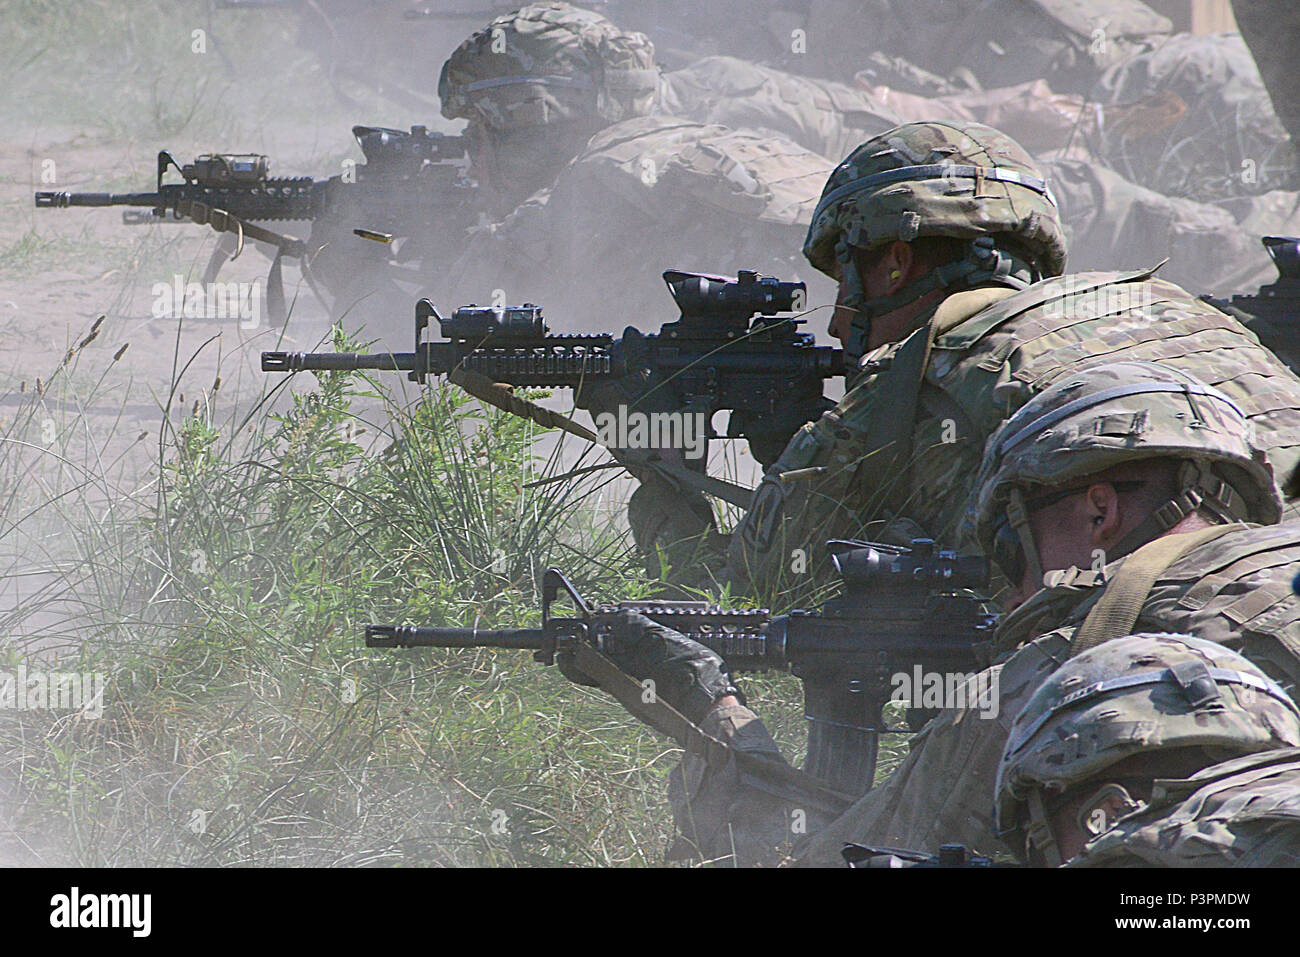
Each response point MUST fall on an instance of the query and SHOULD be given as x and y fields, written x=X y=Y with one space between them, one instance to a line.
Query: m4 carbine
x=902 y=609
x=767 y=374
x=1273 y=313
x=413 y=184
x=240 y=184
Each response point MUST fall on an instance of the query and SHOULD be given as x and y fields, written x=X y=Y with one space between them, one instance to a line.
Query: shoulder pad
x=968 y=333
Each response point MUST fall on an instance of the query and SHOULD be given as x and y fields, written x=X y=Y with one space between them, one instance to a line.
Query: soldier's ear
x=1103 y=513
x=899 y=261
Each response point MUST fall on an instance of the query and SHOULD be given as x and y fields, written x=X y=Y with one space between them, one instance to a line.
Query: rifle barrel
x=60 y=199
x=416 y=636
x=338 y=361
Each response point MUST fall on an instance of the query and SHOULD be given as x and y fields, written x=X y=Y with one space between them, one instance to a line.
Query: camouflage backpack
x=828 y=118
x=661 y=163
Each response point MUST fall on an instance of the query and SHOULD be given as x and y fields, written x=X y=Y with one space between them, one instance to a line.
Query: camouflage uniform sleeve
x=724 y=815
x=514 y=250
x=794 y=508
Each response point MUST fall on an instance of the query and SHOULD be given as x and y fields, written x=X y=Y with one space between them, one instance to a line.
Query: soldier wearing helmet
x=954 y=311
x=535 y=85
x=1146 y=507
x=1153 y=750
x=1132 y=450
x=1183 y=545
x=588 y=176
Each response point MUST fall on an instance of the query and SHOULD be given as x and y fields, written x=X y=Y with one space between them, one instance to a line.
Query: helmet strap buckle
x=1018 y=516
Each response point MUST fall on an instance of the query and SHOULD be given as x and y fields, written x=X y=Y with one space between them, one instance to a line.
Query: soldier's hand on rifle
x=684 y=673
x=675 y=526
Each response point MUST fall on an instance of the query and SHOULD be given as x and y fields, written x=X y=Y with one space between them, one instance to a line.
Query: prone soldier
x=589 y=180
x=1154 y=750
x=1136 y=460
x=954 y=312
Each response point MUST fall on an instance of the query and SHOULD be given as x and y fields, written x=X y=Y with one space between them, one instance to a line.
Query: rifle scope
x=747 y=294
x=923 y=565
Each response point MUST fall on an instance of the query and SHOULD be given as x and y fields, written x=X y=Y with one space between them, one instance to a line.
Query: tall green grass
x=224 y=598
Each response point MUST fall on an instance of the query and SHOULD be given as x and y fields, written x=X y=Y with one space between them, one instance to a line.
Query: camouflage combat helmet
x=549 y=63
x=936 y=179
x=1102 y=416
x=1139 y=694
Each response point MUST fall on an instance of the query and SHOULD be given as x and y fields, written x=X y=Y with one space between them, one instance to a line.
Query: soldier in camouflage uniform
x=830 y=118
x=949 y=253
x=1208 y=109
x=1153 y=750
x=598 y=192
x=1107 y=218
x=988 y=44
x=1220 y=136
x=1132 y=494
x=1162 y=460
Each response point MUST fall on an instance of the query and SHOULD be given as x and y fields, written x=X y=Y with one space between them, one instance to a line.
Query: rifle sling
x=224 y=222
x=1119 y=606
x=483 y=388
x=776 y=778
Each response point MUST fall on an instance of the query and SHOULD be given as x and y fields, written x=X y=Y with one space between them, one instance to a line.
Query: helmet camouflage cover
x=549 y=63
x=1110 y=413
x=1141 y=693
x=936 y=179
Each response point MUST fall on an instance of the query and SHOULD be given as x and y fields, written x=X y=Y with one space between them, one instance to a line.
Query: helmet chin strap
x=983 y=262
x=1199 y=489
x=1040 y=834
x=1018 y=516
